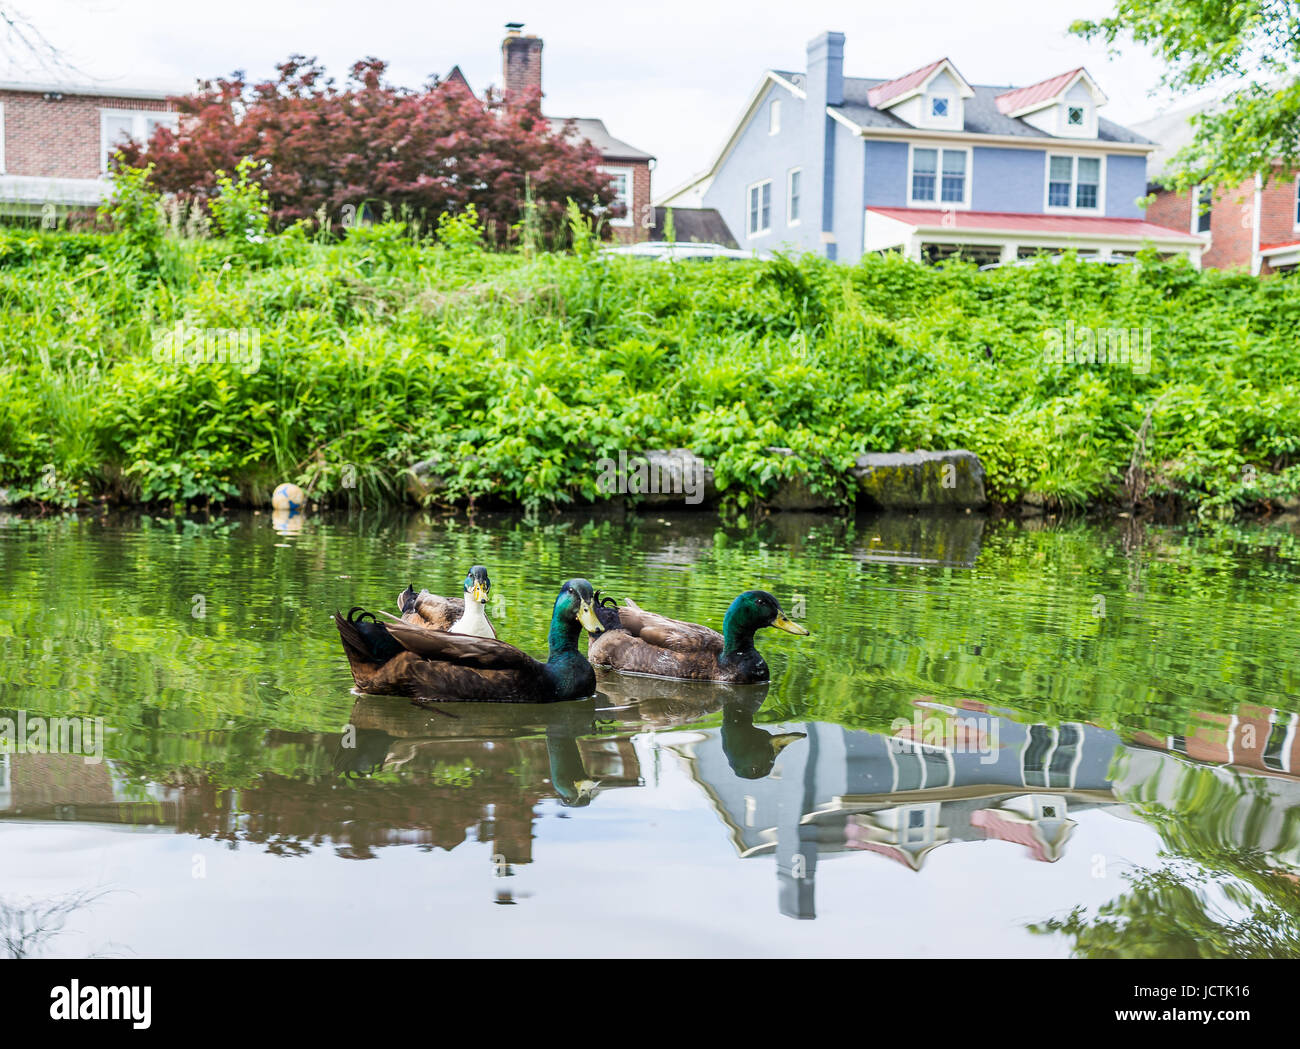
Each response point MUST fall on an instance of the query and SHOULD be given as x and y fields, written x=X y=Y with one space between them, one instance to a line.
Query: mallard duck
x=635 y=641
x=452 y=614
x=399 y=658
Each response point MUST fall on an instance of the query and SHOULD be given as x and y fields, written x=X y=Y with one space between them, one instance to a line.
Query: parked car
x=679 y=251
x=1033 y=260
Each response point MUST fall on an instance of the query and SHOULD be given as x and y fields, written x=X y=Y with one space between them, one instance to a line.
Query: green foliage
x=515 y=373
x=1205 y=45
x=461 y=232
x=241 y=208
x=134 y=209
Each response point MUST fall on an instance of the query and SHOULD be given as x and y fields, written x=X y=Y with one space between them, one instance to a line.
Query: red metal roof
x=1020 y=97
x=1283 y=244
x=1013 y=222
x=893 y=88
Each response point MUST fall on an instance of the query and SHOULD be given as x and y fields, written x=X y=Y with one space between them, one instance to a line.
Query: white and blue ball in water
x=288 y=497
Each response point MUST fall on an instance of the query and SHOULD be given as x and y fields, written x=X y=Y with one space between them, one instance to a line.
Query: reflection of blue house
x=844 y=790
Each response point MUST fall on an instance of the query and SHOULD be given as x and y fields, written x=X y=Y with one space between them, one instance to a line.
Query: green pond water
x=999 y=739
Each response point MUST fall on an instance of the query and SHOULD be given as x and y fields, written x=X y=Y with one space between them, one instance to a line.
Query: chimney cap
x=513 y=28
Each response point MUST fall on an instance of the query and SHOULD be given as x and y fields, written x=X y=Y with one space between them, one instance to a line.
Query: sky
x=669 y=77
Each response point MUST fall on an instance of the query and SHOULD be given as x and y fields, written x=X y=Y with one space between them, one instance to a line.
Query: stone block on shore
x=946 y=480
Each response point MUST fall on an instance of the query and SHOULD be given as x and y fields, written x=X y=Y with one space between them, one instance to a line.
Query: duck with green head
x=400 y=658
x=635 y=641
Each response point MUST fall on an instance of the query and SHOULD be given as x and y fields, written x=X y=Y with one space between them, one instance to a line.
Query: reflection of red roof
x=893 y=88
x=911 y=861
x=1014 y=222
x=1021 y=832
x=1020 y=97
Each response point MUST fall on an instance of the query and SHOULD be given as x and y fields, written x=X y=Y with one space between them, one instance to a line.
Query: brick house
x=55 y=141
x=1250 y=225
x=521 y=70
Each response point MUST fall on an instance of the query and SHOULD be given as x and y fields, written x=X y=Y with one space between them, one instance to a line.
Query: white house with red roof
x=930 y=165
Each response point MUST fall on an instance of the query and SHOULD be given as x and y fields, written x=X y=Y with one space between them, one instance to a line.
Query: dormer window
x=939 y=106
x=1076 y=116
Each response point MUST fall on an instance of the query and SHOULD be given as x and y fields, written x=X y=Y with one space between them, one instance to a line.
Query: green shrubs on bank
x=514 y=374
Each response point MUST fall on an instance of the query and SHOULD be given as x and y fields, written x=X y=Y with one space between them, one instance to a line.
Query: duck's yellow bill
x=788 y=625
x=784 y=739
x=587 y=617
x=479 y=594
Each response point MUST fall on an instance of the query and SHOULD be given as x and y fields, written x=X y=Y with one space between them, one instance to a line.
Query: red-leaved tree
x=371 y=144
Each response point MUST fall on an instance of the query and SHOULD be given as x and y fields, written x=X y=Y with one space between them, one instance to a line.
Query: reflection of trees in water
x=1215 y=900
x=27 y=926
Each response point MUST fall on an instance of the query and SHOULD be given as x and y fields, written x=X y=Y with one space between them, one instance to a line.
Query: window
x=1074 y=183
x=774 y=116
x=1087 y=182
x=792 y=197
x=952 y=188
x=1074 y=116
x=2 y=138
x=621 y=180
x=116 y=126
x=939 y=106
x=760 y=208
x=1201 y=210
x=939 y=176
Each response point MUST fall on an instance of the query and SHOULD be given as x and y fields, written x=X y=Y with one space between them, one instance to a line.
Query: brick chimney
x=521 y=61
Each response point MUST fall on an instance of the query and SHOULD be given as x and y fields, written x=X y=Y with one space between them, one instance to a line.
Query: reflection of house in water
x=1253 y=737
x=1245 y=794
x=901 y=797
x=433 y=794
x=848 y=790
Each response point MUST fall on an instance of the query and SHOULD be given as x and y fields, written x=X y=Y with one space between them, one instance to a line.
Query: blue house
x=930 y=165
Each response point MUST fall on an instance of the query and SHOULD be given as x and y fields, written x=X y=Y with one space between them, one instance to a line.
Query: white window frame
x=1072 y=208
x=749 y=192
x=139 y=118
x=618 y=169
x=774 y=117
x=1197 y=191
x=937 y=204
x=789 y=196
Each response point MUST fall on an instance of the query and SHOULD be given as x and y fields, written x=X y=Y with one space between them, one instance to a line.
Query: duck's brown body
x=641 y=642
x=432 y=611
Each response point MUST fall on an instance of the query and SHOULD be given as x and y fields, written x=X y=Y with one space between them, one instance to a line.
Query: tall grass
x=515 y=373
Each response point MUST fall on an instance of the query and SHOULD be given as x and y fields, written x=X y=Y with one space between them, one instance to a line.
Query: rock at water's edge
x=948 y=480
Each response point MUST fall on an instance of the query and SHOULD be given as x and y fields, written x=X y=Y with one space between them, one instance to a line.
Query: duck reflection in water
x=751 y=751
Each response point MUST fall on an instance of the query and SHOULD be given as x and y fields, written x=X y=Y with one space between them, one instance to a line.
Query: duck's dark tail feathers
x=365 y=639
x=606 y=609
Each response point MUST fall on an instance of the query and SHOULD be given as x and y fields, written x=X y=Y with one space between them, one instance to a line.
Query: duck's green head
x=477 y=585
x=755 y=609
x=576 y=604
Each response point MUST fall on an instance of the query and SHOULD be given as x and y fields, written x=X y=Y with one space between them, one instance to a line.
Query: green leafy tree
x=1207 y=44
